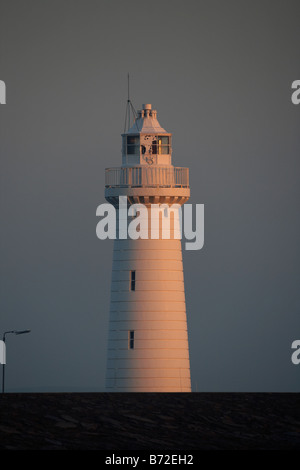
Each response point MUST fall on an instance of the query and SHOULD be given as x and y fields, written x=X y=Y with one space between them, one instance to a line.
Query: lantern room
x=146 y=142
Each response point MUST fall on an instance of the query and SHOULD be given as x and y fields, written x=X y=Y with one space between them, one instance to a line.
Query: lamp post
x=15 y=332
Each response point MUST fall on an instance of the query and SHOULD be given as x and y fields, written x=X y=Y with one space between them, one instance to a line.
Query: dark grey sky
x=219 y=74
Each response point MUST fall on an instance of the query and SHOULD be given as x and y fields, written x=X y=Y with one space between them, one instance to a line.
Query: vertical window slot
x=131 y=339
x=132 y=280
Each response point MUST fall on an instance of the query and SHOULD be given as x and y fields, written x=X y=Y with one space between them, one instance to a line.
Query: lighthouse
x=148 y=337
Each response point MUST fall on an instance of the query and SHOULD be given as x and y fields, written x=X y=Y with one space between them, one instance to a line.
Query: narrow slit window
x=131 y=339
x=132 y=280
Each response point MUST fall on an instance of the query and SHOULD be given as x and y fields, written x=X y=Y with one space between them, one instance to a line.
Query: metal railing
x=174 y=177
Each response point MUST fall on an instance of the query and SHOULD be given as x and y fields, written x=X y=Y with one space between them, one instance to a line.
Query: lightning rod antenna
x=128 y=99
x=129 y=109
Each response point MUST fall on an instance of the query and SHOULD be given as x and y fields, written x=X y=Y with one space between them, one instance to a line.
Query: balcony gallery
x=151 y=177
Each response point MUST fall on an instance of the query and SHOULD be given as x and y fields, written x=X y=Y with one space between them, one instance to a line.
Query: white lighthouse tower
x=148 y=339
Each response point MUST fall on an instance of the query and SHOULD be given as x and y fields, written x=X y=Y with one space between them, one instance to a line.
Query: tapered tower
x=148 y=339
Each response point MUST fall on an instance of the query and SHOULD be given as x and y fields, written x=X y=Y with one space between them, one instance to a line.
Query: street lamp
x=15 y=332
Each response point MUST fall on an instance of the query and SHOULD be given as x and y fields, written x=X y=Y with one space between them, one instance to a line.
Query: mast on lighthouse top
x=146 y=142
